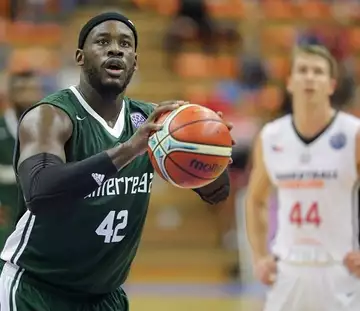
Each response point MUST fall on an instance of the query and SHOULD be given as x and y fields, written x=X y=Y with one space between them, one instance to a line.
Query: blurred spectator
x=191 y=20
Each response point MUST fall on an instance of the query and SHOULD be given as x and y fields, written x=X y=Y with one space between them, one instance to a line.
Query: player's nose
x=114 y=50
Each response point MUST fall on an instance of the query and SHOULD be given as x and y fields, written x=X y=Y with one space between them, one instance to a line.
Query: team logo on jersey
x=338 y=141
x=137 y=119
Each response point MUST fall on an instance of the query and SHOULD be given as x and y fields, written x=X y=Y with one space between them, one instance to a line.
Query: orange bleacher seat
x=225 y=67
x=354 y=38
x=278 y=37
x=143 y=4
x=194 y=65
x=168 y=7
x=4 y=8
x=39 y=59
x=314 y=9
x=278 y=10
x=278 y=67
x=226 y=8
x=22 y=33
x=3 y=30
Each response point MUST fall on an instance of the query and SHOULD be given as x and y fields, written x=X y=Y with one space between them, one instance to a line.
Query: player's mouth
x=114 y=67
x=309 y=90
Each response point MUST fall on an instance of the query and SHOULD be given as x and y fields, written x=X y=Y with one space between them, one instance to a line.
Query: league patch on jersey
x=137 y=119
x=338 y=141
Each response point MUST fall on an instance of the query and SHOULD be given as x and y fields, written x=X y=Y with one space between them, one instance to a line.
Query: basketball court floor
x=190 y=297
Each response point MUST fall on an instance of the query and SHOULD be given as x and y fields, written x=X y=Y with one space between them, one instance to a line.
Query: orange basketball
x=192 y=149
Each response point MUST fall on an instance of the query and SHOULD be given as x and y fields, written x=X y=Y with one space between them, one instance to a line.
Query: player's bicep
x=259 y=184
x=44 y=129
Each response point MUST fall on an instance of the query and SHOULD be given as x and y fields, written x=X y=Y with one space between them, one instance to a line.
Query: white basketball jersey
x=316 y=184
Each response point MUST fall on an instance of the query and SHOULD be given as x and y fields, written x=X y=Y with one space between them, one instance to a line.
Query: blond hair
x=321 y=51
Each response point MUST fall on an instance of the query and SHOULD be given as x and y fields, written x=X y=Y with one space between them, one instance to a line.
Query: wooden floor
x=154 y=303
x=183 y=298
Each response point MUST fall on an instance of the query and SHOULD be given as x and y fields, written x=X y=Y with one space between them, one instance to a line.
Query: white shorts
x=313 y=286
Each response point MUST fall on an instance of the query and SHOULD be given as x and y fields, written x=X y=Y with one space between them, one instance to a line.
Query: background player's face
x=24 y=90
x=108 y=58
x=310 y=79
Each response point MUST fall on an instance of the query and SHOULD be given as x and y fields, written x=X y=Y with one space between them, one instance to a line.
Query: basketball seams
x=179 y=167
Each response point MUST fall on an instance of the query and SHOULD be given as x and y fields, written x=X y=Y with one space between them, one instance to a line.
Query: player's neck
x=108 y=105
x=309 y=121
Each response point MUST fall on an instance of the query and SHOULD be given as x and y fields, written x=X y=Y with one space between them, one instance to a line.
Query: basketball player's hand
x=352 y=263
x=229 y=126
x=139 y=141
x=265 y=270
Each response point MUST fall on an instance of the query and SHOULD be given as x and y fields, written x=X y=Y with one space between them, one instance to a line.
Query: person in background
x=24 y=89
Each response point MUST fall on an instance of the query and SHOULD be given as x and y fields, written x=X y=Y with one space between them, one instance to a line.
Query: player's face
x=310 y=79
x=108 y=58
x=25 y=91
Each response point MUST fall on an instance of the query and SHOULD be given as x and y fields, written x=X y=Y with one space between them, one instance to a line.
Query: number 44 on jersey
x=301 y=215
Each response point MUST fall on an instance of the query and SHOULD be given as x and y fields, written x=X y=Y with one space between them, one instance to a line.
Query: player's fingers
x=151 y=127
x=160 y=110
x=172 y=102
x=220 y=114
x=231 y=161
x=229 y=125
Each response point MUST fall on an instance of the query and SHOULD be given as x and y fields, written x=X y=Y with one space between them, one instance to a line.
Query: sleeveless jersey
x=316 y=185
x=87 y=247
x=8 y=188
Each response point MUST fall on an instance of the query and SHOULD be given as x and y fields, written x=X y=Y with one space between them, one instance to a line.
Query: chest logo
x=338 y=141
x=137 y=119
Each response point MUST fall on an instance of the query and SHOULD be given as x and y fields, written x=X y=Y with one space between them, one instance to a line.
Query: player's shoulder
x=277 y=126
x=347 y=119
x=59 y=97
x=139 y=106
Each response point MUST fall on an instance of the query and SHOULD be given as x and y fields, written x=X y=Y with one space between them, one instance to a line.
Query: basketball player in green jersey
x=85 y=179
x=24 y=90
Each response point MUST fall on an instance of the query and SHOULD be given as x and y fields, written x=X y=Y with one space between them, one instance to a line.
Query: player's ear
x=136 y=62
x=79 y=57
x=289 y=85
x=333 y=85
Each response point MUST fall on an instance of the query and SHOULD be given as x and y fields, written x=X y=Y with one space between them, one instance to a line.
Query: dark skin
x=46 y=129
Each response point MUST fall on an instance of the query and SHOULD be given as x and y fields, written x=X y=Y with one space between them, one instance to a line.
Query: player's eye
x=302 y=70
x=125 y=44
x=103 y=41
x=318 y=71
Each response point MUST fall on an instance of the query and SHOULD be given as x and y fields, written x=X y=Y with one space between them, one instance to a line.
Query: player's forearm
x=47 y=181
x=257 y=228
x=217 y=191
x=122 y=154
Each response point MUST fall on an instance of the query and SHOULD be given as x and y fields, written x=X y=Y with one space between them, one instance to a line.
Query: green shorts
x=17 y=294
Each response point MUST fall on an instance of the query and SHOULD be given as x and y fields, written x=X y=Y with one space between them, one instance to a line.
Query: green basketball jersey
x=89 y=245
x=8 y=188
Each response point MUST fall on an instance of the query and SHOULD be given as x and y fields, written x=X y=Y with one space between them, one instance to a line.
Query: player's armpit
x=217 y=191
x=256 y=201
